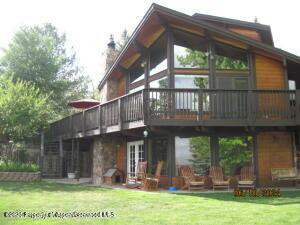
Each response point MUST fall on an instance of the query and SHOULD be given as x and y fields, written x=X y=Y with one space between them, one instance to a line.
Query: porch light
x=145 y=133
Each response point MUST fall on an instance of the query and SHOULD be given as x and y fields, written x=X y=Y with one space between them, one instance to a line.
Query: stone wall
x=104 y=157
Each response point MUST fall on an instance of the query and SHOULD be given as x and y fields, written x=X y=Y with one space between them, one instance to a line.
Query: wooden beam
x=140 y=47
x=162 y=21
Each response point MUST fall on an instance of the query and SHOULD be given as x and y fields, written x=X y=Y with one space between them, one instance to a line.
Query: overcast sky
x=88 y=23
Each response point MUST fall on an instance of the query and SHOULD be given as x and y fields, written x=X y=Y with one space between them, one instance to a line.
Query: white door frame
x=133 y=152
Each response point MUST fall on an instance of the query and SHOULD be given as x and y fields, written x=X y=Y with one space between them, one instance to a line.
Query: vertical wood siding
x=269 y=73
x=274 y=150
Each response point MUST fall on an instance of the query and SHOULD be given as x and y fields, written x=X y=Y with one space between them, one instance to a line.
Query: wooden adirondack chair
x=247 y=177
x=151 y=182
x=137 y=179
x=190 y=179
x=218 y=178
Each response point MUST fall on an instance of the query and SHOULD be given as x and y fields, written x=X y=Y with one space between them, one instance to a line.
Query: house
x=198 y=90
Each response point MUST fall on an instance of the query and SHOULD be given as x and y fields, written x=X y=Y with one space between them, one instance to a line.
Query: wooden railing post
x=297 y=107
x=145 y=106
x=250 y=107
x=100 y=118
x=83 y=122
x=71 y=125
x=200 y=106
x=120 y=116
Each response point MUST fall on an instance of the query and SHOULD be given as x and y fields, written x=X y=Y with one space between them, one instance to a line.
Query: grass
x=133 y=207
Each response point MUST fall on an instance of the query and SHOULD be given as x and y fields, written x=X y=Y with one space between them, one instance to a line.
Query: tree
x=200 y=149
x=123 y=41
x=24 y=110
x=39 y=55
x=235 y=152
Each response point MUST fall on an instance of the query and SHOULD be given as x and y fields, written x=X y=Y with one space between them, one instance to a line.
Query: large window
x=158 y=151
x=189 y=100
x=194 y=152
x=234 y=153
x=137 y=71
x=158 y=56
x=230 y=58
x=191 y=81
x=160 y=83
x=190 y=51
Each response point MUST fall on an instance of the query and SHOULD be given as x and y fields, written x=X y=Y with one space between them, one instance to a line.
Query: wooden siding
x=121 y=157
x=253 y=34
x=122 y=86
x=274 y=150
x=269 y=73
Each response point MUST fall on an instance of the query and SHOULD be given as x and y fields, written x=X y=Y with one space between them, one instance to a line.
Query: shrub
x=18 y=167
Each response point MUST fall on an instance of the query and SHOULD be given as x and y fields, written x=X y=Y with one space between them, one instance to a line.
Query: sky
x=89 y=23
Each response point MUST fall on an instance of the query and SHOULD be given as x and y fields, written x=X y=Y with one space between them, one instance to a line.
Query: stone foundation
x=104 y=157
x=20 y=176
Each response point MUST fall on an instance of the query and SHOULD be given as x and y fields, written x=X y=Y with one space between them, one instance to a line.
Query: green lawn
x=133 y=207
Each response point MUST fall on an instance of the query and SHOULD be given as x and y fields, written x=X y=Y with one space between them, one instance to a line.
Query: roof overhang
x=158 y=18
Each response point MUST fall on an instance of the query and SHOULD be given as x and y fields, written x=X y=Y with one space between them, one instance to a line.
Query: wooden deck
x=182 y=107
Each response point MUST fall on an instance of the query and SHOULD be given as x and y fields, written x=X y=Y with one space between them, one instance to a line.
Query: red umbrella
x=84 y=103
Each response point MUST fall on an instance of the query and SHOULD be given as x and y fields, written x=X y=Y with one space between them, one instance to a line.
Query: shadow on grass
x=41 y=186
x=286 y=198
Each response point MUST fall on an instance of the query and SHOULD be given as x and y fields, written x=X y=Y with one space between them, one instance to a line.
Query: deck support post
x=61 y=155
x=214 y=148
x=42 y=152
x=73 y=155
x=77 y=157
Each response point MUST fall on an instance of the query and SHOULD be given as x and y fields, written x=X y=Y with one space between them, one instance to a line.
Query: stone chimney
x=111 y=53
x=109 y=90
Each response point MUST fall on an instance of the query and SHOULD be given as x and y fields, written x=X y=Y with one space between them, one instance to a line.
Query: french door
x=135 y=154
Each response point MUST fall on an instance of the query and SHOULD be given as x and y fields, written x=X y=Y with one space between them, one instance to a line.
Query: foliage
x=198 y=59
x=123 y=41
x=226 y=63
x=18 y=167
x=23 y=110
x=234 y=153
x=39 y=55
x=200 y=149
x=201 y=82
x=194 y=59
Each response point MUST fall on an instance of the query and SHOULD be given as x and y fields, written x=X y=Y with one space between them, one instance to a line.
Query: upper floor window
x=190 y=51
x=160 y=83
x=191 y=81
x=158 y=55
x=230 y=58
x=137 y=71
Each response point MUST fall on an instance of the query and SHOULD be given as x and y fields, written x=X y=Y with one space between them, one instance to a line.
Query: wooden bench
x=280 y=174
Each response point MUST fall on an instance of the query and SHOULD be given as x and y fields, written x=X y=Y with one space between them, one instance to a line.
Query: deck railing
x=193 y=107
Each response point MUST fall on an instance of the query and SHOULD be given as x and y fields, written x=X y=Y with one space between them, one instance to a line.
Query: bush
x=18 y=167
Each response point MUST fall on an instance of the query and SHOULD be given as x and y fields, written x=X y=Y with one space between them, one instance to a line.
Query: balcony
x=183 y=107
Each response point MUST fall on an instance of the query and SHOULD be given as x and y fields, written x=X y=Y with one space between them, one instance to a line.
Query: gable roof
x=264 y=30
x=161 y=10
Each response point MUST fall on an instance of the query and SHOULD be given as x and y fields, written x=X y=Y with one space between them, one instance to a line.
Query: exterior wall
x=122 y=86
x=274 y=150
x=109 y=91
x=253 y=34
x=104 y=157
x=269 y=73
x=121 y=157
